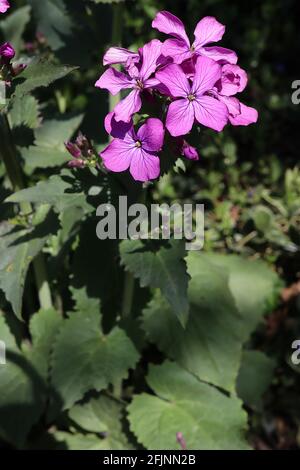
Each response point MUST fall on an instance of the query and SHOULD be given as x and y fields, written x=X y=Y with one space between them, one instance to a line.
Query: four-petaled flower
x=207 y=31
x=193 y=102
x=137 y=151
x=115 y=81
x=4 y=6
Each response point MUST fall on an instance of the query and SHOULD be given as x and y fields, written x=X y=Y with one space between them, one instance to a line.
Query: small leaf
x=207 y=418
x=24 y=112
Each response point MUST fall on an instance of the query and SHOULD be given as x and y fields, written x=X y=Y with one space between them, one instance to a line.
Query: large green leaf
x=254 y=286
x=13 y=26
x=24 y=112
x=23 y=378
x=60 y=191
x=16 y=256
x=162 y=268
x=52 y=20
x=254 y=378
x=102 y=415
x=85 y=359
x=39 y=73
x=221 y=317
x=207 y=418
x=48 y=149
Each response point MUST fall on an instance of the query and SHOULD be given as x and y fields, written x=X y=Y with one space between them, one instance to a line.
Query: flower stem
x=116 y=39
x=16 y=177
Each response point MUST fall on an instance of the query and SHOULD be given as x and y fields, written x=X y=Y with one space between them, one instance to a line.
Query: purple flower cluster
x=198 y=81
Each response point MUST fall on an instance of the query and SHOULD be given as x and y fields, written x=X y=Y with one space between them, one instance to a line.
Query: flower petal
x=118 y=55
x=128 y=106
x=117 y=156
x=218 y=53
x=207 y=73
x=114 y=81
x=208 y=30
x=211 y=113
x=175 y=80
x=248 y=116
x=189 y=152
x=115 y=128
x=167 y=23
x=151 y=134
x=150 y=52
x=144 y=166
x=4 y=6
x=233 y=80
x=180 y=117
x=232 y=103
x=177 y=49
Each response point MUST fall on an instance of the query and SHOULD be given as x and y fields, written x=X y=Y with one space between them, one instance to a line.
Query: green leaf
x=44 y=327
x=254 y=378
x=164 y=268
x=16 y=256
x=39 y=73
x=222 y=316
x=52 y=20
x=102 y=415
x=24 y=112
x=13 y=26
x=207 y=418
x=254 y=286
x=48 y=149
x=71 y=441
x=60 y=191
x=84 y=303
x=85 y=359
x=210 y=345
x=22 y=391
x=107 y=1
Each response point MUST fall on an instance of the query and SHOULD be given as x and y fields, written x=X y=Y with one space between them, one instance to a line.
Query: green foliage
x=162 y=268
x=84 y=358
x=206 y=418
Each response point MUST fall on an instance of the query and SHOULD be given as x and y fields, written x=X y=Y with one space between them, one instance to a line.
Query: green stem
x=116 y=39
x=16 y=177
x=128 y=294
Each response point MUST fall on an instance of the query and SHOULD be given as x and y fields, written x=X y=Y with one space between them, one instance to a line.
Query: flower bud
x=73 y=149
x=7 y=52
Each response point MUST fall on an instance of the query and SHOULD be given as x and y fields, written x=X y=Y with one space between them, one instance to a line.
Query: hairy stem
x=17 y=180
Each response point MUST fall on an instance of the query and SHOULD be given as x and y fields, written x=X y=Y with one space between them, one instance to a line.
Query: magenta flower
x=233 y=81
x=207 y=31
x=137 y=151
x=7 y=52
x=115 y=81
x=193 y=102
x=4 y=6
